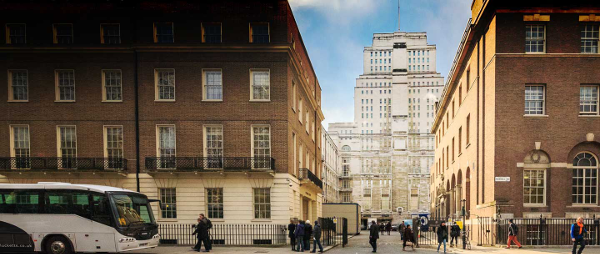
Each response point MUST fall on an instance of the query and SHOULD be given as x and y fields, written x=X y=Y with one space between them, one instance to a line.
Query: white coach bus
x=63 y=218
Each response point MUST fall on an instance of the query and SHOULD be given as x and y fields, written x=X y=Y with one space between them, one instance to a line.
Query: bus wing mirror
x=160 y=204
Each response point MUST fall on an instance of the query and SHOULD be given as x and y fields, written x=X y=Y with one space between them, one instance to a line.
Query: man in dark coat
x=317 y=237
x=388 y=227
x=299 y=233
x=454 y=234
x=307 y=234
x=401 y=228
x=374 y=235
x=201 y=233
x=208 y=225
x=291 y=229
x=578 y=230
x=442 y=234
x=408 y=236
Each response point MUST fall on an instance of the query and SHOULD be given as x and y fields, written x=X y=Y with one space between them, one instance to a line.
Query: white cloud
x=338 y=12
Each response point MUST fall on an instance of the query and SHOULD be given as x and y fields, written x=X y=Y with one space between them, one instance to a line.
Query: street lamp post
x=464 y=212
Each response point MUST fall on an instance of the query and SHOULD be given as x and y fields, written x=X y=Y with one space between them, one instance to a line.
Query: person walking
x=401 y=230
x=317 y=237
x=388 y=227
x=454 y=234
x=291 y=230
x=374 y=235
x=307 y=234
x=382 y=228
x=408 y=236
x=513 y=230
x=578 y=230
x=299 y=233
x=201 y=233
x=208 y=225
x=442 y=234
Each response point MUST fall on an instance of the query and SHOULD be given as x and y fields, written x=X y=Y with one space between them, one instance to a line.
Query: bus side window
x=68 y=202
x=81 y=204
x=27 y=202
x=100 y=209
x=7 y=201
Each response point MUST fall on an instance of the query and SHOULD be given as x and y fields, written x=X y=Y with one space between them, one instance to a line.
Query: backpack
x=515 y=229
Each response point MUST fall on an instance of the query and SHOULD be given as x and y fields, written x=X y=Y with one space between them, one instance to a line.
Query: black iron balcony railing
x=307 y=174
x=209 y=163
x=62 y=163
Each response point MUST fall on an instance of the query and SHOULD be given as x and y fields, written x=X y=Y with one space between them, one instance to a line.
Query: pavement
x=360 y=245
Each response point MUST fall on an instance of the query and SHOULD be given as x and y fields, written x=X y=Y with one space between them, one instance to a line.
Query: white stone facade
x=391 y=149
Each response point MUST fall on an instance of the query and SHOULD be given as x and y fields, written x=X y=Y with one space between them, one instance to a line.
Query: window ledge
x=261 y=220
x=583 y=205
x=459 y=154
x=166 y=220
x=64 y=101
x=534 y=205
x=252 y=100
x=535 y=115
x=217 y=220
x=469 y=144
x=164 y=100
x=589 y=116
x=293 y=109
x=111 y=101
x=18 y=101
x=211 y=100
x=452 y=161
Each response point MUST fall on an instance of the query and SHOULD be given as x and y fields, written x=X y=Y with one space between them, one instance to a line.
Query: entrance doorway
x=305 y=209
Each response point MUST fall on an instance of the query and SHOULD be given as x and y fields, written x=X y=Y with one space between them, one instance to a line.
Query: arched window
x=346 y=148
x=585 y=179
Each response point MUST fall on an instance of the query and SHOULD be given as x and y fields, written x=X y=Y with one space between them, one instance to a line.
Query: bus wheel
x=58 y=245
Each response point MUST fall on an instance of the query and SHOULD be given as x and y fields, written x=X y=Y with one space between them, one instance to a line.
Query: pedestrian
x=513 y=230
x=388 y=227
x=317 y=237
x=577 y=232
x=381 y=228
x=408 y=238
x=208 y=225
x=201 y=233
x=454 y=233
x=442 y=234
x=291 y=229
x=374 y=235
x=307 y=234
x=401 y=228
x=299 y=233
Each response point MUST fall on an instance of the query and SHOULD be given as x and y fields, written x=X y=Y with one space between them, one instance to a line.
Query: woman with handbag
x=408 y=238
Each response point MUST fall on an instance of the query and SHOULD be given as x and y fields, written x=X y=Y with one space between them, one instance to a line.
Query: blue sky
x=336 y=31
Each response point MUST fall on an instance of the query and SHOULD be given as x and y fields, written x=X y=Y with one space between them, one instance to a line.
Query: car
x=395 y=227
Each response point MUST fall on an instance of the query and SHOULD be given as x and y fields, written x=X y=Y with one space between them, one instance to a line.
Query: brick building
x=212 y=107
x=518 y=124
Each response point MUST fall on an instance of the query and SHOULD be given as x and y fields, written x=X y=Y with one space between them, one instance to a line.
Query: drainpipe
x=137 y=111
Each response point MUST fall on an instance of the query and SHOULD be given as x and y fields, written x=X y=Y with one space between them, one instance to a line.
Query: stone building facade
x=517 y=127
x=212 y=107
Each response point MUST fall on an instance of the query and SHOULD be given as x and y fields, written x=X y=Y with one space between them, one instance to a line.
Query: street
x=360 y=244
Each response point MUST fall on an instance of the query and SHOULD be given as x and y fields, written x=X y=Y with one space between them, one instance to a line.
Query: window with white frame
x=67 y=146
x=165 y=84
x=585 y=179
x=300 y=110
x=589 y=39
x=111 y=85
x=110 y=33
x=63 y=33
x=211 y=32
x=260 y=83
x=18 y=87
x=20 y=150
x=534 y=186
x=262 y=203
x=163 y=32
x=535 y=37
x=214 y=203
x=346 y=198
x=213 y=85
x=588 y=100
x=306 y=122
x=294 y=106
x=213 y=146
x=168 y=199
x=534 y=100
x=261 y=146
x=113 y=146
x=16 y=33
x=65 y=85
x=166 y=146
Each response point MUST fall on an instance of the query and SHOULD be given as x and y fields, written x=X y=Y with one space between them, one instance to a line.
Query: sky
x=335 y=33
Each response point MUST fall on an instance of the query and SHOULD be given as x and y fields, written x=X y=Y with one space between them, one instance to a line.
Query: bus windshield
x=131 y=209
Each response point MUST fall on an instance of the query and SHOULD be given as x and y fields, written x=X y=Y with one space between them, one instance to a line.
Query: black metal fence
x=334 y=231
x=63 y=163
x=208 y=163
x=542 y=231
x=225 y=234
